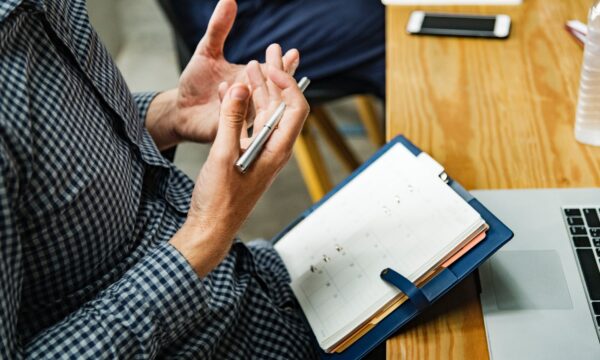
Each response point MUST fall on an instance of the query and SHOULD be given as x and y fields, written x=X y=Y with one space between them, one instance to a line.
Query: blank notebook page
x=395 y=214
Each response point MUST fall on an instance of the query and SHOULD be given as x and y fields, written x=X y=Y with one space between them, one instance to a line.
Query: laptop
x=540 y=294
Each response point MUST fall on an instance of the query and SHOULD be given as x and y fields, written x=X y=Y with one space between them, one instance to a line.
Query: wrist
x=202 y=249
x=163 y=115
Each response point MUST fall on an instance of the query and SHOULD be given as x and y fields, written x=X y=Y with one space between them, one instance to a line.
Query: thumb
x=218 y=28
x=222 y=90
x=233 y=115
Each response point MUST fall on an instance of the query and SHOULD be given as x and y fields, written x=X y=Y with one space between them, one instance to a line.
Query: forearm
x=161 y=115
x=203 y=248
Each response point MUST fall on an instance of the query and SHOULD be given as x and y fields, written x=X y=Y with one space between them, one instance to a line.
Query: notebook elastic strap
x=415 y=295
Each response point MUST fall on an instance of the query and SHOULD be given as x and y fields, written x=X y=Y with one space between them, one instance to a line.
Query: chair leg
x=335 y=140
x=369 y=119
x=311 y=163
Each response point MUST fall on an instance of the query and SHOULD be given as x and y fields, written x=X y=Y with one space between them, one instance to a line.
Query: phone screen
x=482 y=23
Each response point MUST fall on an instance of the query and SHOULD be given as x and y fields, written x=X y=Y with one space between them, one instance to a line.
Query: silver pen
x=248 y=157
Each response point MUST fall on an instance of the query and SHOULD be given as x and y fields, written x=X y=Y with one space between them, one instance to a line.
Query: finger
x=296 y=110
x=245 y=144
x=273 y=56
x=288 y=87
x=291 y=61
x=218 y=28
x=223 y=90
x=249 y=119
x=231 y=121
x=260 y=92
x=223 y=87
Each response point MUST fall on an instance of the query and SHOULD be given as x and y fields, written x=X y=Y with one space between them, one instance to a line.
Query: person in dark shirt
x=341 y=41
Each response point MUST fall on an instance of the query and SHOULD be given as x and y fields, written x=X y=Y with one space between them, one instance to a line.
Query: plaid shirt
x=87 y=205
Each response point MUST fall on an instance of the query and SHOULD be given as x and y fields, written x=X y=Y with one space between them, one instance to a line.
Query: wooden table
x=496 y=114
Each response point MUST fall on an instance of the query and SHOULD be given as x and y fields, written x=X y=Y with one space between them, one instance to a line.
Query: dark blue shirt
x=340 y=41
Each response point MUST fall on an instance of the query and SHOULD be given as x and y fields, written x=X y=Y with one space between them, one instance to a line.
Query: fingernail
x=240 y=93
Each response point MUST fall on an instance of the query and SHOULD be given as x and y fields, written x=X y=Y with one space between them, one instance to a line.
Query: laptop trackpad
x=529 y=280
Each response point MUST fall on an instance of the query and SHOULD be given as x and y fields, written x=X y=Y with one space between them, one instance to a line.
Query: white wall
x=105 y=18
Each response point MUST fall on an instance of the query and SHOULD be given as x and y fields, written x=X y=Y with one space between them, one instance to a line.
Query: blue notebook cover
x=497 y=235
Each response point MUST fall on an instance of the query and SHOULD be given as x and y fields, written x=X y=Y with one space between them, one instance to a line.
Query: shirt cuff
x=143 y=100
x=166 y=288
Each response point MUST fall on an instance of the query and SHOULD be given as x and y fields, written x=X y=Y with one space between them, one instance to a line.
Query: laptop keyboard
x=584 y=228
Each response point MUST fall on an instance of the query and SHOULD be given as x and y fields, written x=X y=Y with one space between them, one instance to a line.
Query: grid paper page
x=394 y=214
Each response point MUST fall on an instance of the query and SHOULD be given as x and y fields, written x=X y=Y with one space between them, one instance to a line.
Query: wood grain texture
x=496 y=114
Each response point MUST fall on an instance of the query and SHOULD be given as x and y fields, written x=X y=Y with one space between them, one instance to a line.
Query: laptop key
x=578 y=230
x=575 y=221
x=597 y=252
x=595 y=232
x=572 y=212
x=596 y=307
x=597 y=242
x=591 y=216
x=598 y=320
x=591 y=272
x=581 y=241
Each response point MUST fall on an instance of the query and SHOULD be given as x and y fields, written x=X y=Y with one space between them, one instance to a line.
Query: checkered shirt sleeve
x=143 y=100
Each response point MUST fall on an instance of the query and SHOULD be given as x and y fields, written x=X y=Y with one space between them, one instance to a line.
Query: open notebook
x=397 y=213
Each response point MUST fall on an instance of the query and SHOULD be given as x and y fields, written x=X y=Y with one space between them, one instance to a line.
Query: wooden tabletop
x=496 y=114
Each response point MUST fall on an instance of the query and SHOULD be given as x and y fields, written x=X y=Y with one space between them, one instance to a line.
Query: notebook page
x=394 y=214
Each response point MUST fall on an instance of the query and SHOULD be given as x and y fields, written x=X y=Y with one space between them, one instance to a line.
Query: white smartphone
x=495 y=26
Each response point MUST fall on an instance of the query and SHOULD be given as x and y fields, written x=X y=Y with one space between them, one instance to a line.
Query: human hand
x=191 y=112
x=198 y=99
x=223 y=197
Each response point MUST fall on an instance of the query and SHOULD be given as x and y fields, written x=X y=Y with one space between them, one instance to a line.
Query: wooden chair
x=308 y=155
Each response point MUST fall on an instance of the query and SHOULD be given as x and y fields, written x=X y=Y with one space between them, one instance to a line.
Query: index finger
x=274 y=60
x=297 y=108
x=260 y=92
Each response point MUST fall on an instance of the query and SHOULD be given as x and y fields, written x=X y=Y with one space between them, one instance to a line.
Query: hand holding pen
x=264 y=94
x=223 y=196
x=246 y=160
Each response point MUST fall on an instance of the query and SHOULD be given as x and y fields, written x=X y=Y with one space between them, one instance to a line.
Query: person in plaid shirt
x=106 y=249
